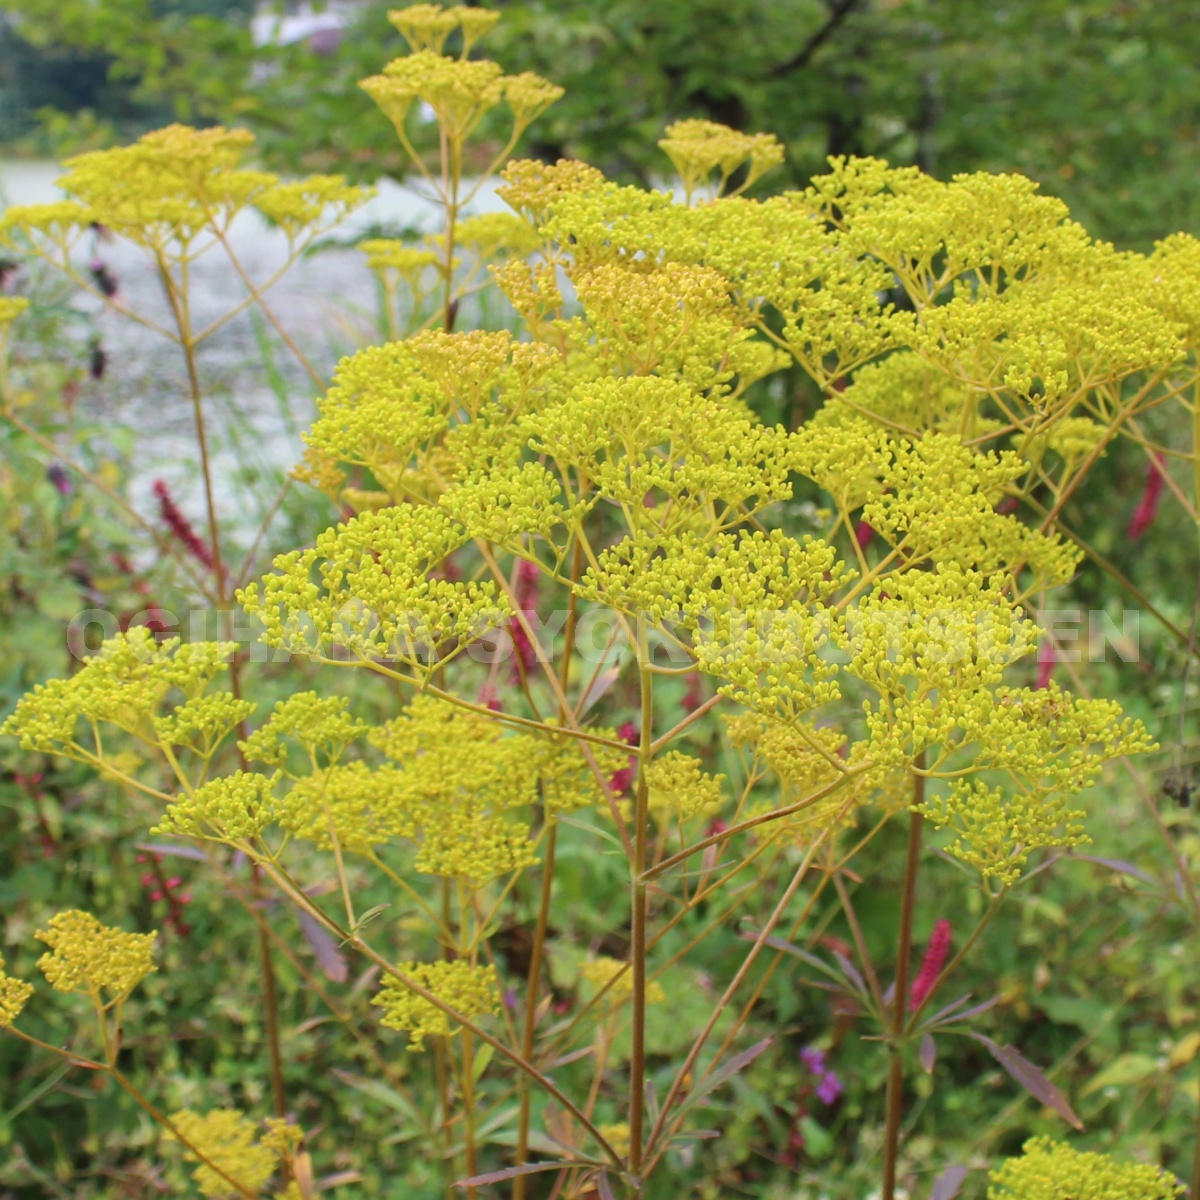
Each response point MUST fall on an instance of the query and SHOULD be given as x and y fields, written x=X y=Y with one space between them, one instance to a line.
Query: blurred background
x=1097 y=99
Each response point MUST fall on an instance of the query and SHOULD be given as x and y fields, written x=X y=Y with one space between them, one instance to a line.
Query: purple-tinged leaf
x=945 y=1012
x=513 y=1172
x=338 y=1179
x=603 y=1187
x=739 y=1062
x=166 y=848
x=968 y=1013
x=1119 y=865
x=778 y=943
x=1030 y=1078
x=853 y=974
x=949 y=1183
x=928 y=1053
x=574 y=1056
x=325 y=950
x=600 y=685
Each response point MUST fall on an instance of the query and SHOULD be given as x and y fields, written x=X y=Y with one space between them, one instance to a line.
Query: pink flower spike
x=1047 y=661
x=931 y=965
x=1147 y=506
x=180 y=526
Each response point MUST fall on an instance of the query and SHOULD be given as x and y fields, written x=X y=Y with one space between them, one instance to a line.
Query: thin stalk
x=180 y=311
x=529 y=1028
x=895 y=1083
x=637 y=1058
x=300 y=898
x=178 y=304
x=160 y=1118
x=468 y=1098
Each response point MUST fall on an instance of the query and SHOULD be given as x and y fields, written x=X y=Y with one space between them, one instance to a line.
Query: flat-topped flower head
x=86 y=956
x=697 y=148
x=11 y=307
x=616 y=979
x=531 y=187
x=14 y=994
x=230 y=1142
x=322 y=726
x=228 y=809
x=469 y=990
x=1049 y=1170
x=124 y=684
x=425 y=26
x=680 y=788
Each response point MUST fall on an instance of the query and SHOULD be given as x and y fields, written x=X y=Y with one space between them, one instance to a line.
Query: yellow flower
x=470 y=991
x=679 y=787
x=14 y=993
x=697 y=148
x=617 y=978
x=228 y=1140
x=86 y=956
x=1049 y=1170
x=11 y=307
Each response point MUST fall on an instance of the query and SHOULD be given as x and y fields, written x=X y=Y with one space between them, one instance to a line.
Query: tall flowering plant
x=605 y=467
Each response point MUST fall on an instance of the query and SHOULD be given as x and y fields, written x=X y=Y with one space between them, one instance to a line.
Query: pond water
x=327 y=301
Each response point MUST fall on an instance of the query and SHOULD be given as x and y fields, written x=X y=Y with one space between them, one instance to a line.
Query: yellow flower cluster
x=617 y=980
x=176 y=182
x=617 y=1136
x=203 y=722
x=1049 y=1170
x=457 y=802
x=374 y=593
x=321 y=725
x=679 y=787
x=384 y=254
x=363 y=808
x=419 y=414
x=230 y=1141
x=456 y=808
x=641 y=439
x=697 y=148
x=230 y=808
x=531 y=187
x=469 y=990
x=86 y=956
x=14 y=993
x=804 y=758
x=11 y=307
x=123 y=685
x=496 y=235
x=459 y=91
x=427 y=26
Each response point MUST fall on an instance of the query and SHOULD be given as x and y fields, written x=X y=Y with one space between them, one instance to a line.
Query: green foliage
x=615 y=942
